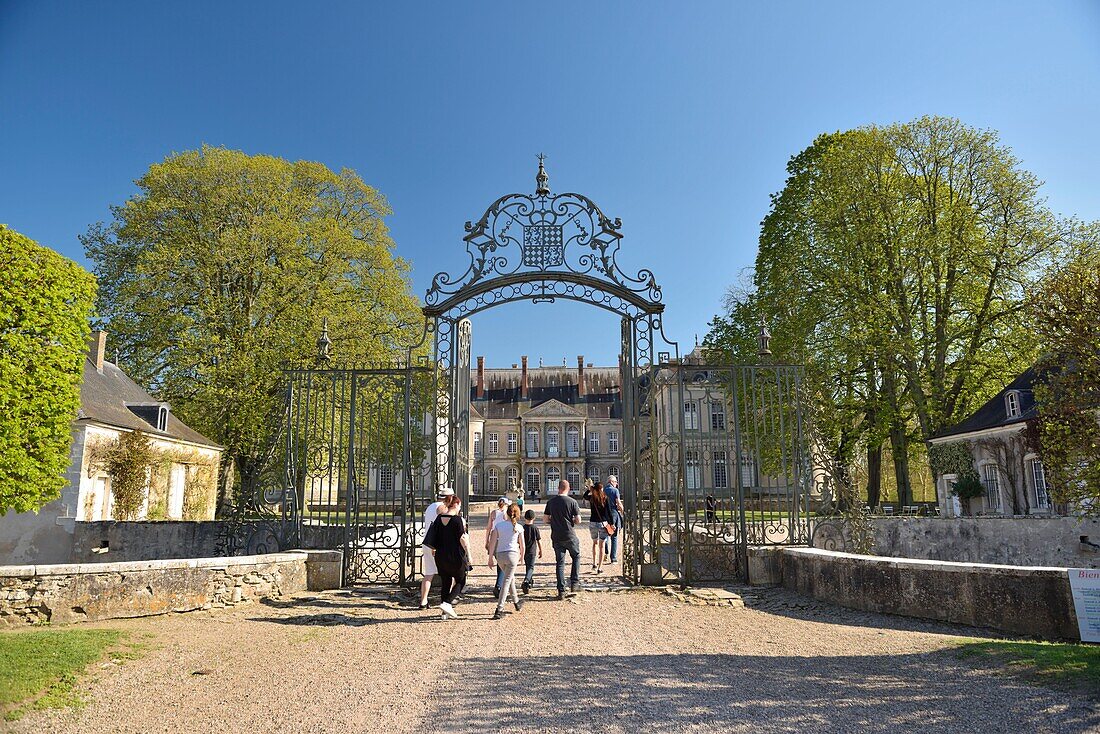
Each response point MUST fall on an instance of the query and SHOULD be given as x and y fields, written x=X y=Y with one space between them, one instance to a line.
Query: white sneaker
x=448 y=610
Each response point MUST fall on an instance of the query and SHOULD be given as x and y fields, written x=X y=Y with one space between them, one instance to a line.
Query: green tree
x=1065 y=312
x=894 y=264
x=45 y=304
x=220 y=271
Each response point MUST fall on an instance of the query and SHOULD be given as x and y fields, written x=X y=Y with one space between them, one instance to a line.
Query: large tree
x=1065 y=310
x=220 y=271
x=45 y=306
x=894 y=263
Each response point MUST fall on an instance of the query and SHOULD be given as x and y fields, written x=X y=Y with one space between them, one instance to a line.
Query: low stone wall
x=1033 y=601
x=63 y=593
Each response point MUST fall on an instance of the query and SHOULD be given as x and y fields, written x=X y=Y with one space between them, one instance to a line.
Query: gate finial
x=764 y=338
x=542 y=181
x=324 y=344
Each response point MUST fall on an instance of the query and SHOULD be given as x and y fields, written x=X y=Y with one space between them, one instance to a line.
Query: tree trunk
x=226 y=472
x=874 y=474
x=899 y=450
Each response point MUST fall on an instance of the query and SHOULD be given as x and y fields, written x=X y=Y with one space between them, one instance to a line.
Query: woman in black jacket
x=450 y=545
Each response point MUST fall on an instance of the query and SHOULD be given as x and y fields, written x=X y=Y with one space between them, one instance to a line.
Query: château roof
x=993 y=413
x=601 y=400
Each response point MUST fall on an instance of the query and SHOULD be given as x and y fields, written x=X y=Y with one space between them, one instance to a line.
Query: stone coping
x=69 y=569
x=921 y=563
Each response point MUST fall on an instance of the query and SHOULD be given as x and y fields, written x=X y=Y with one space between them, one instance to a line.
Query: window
x=494 y=480
x=177 y=483
x=613 y=442
x=512 y=473
x=494 y=443
x=573 y=441
x=533 y=478
x=553 y=476
x=553 y=436
x=613 y=470
x=477 y=443
x=691 y=417
x=748 y=471
x=594 y=473
x=721 y=479
x=1012 y=403
x=162 y=419
x=532 y=441
x=594 y=442
x=717 y=416
x=573 y=476
x=474 y=481
x=385 y=479
x=691 y=478
x=513 y=443
x=992 y=481
x=1039 y=478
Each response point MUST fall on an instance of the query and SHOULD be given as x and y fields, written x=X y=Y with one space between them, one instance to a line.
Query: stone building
x=531 y=427
x=1010 y=468
x=182 y=481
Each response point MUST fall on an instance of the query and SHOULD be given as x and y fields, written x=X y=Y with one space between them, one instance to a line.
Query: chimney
x=97 y=347
x=581 y=392
x=523 y=378
x=480 y=378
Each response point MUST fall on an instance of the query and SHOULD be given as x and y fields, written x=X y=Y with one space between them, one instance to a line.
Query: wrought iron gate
x=722 y=464
x=357 y=463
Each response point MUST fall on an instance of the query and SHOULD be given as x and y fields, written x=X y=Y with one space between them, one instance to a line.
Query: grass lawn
x=38 y=668
x=750 y=515
x=1059 y=663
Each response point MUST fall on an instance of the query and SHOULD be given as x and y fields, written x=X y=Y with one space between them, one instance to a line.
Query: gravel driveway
x=606 y=661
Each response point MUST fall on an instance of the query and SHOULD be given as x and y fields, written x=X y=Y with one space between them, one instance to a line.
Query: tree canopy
x=1065 y=310
x=220 y=271
x=45 y=305
x=895 y=264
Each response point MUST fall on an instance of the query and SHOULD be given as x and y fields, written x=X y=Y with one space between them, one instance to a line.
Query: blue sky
x=677 y=117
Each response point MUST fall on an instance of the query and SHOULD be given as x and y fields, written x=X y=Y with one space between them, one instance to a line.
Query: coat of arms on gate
x=543 y=246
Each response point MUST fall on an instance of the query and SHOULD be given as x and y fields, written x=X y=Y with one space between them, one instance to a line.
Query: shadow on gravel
x=318 y=620
x=930 y=693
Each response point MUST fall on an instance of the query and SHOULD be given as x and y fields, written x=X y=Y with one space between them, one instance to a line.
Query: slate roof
x=105 y=395
x=602 y=398
x=993 y=413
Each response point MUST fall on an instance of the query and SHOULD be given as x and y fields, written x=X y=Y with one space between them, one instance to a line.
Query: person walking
x=615 y=505
x=496 y=514
x=712 y=508
x=562 y=513
x=450 y=547
x=426 y=557
x=504 y=545
x=598 y=523
x=532 y=543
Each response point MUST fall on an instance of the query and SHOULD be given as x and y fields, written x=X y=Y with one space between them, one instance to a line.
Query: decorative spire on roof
x=764 y=338
x=542 y=181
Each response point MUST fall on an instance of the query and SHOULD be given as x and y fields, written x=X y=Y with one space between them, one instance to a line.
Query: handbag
x=609 y=528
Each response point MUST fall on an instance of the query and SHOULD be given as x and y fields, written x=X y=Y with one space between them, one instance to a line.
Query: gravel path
x=606 y=661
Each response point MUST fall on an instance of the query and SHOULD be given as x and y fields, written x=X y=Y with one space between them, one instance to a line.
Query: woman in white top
x=505 y=541
x=495 y=515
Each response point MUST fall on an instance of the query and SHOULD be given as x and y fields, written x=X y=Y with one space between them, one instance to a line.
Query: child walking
x=532 y=543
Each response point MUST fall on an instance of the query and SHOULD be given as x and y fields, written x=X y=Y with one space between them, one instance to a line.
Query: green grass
x=39 y=668
x=750 y=515
x=1059 y=663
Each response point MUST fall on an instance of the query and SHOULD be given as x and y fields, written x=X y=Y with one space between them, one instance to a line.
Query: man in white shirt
x=428 y=560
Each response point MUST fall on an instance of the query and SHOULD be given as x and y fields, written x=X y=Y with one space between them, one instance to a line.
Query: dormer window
x=162 y=418
x=1012 y=403
x=155 y=414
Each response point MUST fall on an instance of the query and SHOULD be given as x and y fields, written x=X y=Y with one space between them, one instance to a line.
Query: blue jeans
x=573 y=548
x=613 y=541
x=529 y=574
x=500 y=578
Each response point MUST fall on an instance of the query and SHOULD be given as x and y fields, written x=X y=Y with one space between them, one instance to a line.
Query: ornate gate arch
x=543 y=247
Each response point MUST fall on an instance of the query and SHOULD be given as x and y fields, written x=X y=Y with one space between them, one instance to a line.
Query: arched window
x=553 y=476
x=512 y=477
x=494 y=480
x=553 y=441
x=1012 y=404
x=532 y=441
x=474 y=476
x=613 y=470
x=532 y=477
x=573 y=476
x=573 y=441
x=594 y=473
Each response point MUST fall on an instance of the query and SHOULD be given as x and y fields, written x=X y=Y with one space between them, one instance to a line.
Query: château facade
x=531 y=427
